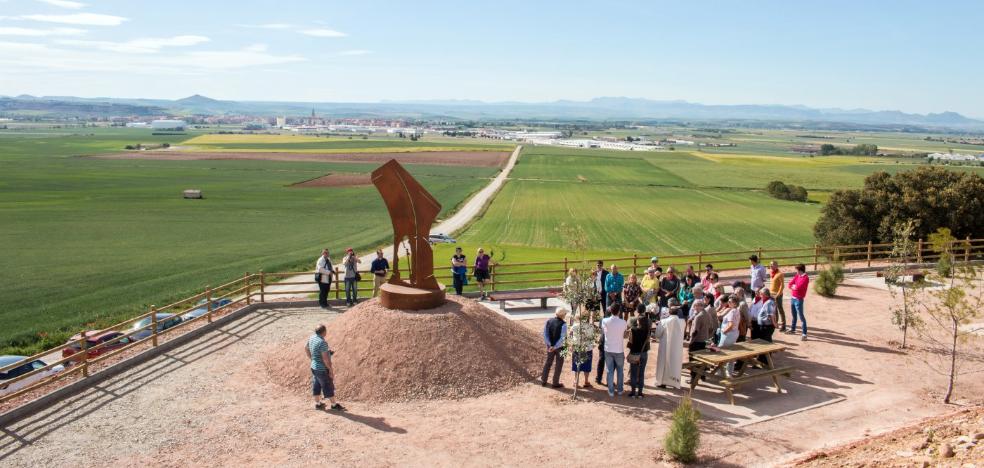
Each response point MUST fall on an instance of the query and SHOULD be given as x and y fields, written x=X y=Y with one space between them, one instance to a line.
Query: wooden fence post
x=85 y=355
x=967 y=250
x=700 y=259
x=635 y=263
x=338 y=283
x=208 y=302
x=566 y=269
x=761 y=259
x=919 y=248
x=262 y=287
x=492 y=276
x=816 y=256
x=246 y=280
x=153 y=324
x=869 y=253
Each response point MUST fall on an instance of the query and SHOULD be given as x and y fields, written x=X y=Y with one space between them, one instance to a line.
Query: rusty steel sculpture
x=412 y=210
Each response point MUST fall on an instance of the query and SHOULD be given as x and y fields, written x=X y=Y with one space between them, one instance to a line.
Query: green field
x=92 y=241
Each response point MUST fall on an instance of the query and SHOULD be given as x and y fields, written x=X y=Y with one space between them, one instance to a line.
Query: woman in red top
x=798 y=287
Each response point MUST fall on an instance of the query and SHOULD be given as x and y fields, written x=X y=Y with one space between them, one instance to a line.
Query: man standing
x=380 y=266
x=670 y=360
x=352 y=277
x=600 y=276
x=322 y=372
x=615 y=330
x=323 y=271
x=798 y=287
x=758 y=274
x=554 y=332
x=776 y=290
x=614 y=283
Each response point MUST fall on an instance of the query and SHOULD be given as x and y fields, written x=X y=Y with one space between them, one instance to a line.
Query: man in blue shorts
x=321 y=370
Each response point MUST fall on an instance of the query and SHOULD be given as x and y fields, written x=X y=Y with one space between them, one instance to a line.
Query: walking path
x=457 y=221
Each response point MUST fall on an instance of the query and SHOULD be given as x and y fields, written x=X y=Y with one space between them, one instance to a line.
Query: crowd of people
x=671 y=309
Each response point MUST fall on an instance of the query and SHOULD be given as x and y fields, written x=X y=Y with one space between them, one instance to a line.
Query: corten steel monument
x=412 y=210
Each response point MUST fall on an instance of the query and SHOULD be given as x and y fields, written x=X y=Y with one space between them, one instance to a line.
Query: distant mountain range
x=602 y=108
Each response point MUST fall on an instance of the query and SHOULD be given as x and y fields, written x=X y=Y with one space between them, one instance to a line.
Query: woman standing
x=729 y=330
x=481 y=272
x=459 y=270
x=639 y=329
x=351 y=277
x=582 y=337
x=797 y=288
x=631 y=294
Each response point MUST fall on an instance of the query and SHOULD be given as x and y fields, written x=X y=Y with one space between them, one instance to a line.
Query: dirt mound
x=460 y=349
x=336 y=180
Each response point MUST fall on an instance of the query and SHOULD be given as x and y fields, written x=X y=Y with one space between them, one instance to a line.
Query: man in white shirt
x=758 y=274
x=323 y=270
x=615 y=329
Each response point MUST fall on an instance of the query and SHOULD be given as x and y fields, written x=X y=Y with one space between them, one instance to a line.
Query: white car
x=440 y=239
x=6 y=388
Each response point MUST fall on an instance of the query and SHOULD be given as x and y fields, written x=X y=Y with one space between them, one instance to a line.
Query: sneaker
x=639 y=395
x=611 y=395
x=632 y=394
x=543 y=384
x=588 y=385
x=319 y=406
x=803 y=338
x=557 y=385
x=338 y=407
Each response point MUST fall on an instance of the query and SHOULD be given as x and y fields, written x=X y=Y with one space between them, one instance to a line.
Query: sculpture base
x=395 y=296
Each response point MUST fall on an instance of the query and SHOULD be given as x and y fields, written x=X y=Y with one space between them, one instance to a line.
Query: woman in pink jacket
x=798 y=287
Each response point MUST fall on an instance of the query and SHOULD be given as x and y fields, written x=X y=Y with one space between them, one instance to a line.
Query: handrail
x=541 y=273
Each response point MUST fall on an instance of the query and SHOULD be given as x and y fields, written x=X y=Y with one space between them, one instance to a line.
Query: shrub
x=779 y=190
x=945 y=265
x=838 y=271
x=826 y=283
x=684 y=436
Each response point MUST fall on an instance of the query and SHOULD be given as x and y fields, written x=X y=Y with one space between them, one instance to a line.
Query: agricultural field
x=91 y=241
x=335 y=144
x=656 y=203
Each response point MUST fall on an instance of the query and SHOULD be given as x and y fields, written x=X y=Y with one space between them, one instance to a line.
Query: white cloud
x=355 y=52
x=36 y=32
x=322 y=32
x=22 y=56
x=146 y=45
x=64 y=4
x=268 y=26
x=89 y=19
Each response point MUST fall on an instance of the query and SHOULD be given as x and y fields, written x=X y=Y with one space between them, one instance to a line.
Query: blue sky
x=911 y=56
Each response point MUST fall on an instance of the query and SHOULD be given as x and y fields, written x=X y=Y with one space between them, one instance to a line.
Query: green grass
x=93 y=241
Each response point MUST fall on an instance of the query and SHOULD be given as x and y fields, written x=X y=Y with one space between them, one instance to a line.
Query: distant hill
x=601 y=108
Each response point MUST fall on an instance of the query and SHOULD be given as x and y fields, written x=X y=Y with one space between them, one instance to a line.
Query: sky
x=882 y=55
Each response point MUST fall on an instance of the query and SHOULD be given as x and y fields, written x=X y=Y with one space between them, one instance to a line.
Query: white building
x=138 y=125
x=956 y=157
x=168 y=124
x=281 y=122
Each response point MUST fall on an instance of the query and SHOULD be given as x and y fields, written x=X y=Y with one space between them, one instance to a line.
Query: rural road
x=465 y=214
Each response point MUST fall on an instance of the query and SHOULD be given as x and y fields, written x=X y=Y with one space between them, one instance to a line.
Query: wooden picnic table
x=706 y=363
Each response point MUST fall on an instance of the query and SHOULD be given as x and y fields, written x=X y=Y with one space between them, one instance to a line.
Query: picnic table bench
x=521 y=295
x=706 y=363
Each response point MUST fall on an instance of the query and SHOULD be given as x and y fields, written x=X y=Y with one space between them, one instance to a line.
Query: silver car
x=18 y=371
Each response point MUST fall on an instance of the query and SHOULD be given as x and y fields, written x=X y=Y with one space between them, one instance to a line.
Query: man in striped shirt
x=321 y=369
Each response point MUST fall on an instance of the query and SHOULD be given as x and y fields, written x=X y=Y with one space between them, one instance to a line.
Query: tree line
x=828 y=149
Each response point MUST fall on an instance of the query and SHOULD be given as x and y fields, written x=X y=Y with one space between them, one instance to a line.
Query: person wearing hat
x=351 y=277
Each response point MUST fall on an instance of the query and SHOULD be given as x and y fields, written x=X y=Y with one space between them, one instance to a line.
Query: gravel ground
x=205 y=404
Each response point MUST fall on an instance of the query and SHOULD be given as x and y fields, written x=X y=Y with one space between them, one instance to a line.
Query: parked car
x=441 y=239
x=93 y=339
x=204 y=310
x=164 y=321
x=6 y=388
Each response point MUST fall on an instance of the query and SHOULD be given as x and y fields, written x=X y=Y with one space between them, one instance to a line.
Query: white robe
x=669 y=331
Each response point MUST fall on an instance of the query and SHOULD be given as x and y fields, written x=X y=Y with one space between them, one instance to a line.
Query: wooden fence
x=254 y=286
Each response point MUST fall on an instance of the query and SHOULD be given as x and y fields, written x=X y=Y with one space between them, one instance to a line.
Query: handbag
x=317 y=277
x=358 y=277
x=634 y=358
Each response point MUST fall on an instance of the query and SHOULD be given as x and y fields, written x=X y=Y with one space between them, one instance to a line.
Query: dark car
x=164 y=321
x=94 y=339
x=204 y=310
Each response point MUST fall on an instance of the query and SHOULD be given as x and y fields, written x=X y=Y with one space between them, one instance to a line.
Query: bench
x=916 y=275
x=732 y=383
x=522 y=295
